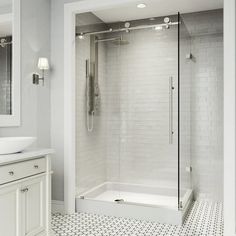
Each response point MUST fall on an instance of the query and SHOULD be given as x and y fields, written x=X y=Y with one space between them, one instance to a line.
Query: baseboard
x=58 y=207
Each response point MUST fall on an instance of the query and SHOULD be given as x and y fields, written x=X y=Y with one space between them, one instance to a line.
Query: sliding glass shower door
x=133 y=111
x=149 y=116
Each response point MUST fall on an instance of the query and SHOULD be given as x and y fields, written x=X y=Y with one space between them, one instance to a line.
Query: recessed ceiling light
x=141 y=5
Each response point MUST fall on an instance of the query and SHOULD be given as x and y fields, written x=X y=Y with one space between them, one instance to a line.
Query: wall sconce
x=43 y=64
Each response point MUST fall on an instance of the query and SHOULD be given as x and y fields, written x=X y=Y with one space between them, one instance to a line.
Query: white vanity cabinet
x=25 y=196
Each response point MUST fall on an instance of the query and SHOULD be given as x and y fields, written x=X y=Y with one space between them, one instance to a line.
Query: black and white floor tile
x=204 y=219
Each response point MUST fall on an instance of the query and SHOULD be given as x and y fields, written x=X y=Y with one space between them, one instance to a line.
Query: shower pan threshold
x=135 y=201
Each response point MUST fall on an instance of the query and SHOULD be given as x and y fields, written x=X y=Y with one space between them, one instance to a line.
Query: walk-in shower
x=133 y=117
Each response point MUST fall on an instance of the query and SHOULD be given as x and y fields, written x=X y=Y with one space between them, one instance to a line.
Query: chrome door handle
x=171 y=88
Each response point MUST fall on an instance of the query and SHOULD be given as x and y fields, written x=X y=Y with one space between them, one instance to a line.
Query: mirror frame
x=14 y=118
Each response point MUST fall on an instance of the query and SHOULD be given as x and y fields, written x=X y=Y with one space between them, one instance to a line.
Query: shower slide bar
x=171 y=88
x=89 y=102
x=127 y=29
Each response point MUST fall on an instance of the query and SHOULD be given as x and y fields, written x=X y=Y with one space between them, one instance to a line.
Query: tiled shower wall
x=90 y=146
x=206 y=29
x=130 y=140
x=207 y=116
x=139 y=73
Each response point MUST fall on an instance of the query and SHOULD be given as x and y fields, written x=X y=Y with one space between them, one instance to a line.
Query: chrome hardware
x=36 y=166
x=24 y=190
x=11 y=173
x=189 y=169
x=189 y=56
x=119 y=200
x=166 y=20
x=171 y=88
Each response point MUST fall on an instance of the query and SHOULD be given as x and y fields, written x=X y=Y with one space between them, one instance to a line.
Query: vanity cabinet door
x=10 y=218
x=34 y=206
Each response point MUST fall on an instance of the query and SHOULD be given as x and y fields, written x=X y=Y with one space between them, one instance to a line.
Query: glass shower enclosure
x=133 y=117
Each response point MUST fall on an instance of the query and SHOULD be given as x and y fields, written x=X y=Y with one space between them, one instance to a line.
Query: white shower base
x=140 y=202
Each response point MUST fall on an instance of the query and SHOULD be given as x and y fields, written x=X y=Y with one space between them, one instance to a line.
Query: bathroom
x=125 y=105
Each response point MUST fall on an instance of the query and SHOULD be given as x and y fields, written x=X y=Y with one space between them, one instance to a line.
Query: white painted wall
x=57 y=98
x=35 y=103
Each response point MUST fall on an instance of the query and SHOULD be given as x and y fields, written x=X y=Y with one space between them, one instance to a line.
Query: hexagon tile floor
x=204 y=219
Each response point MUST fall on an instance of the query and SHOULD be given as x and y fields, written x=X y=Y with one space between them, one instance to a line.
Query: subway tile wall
x=206 y=30
x=185 y=65
x=90 y=146
x=207 y=116
x=139 y=74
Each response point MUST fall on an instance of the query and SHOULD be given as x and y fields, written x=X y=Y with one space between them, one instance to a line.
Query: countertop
x=28 y=154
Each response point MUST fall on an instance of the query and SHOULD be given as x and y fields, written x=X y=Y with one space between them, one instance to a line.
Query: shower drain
x=119 y=200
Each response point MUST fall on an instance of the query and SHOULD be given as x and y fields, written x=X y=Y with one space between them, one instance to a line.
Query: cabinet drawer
x=21 y=170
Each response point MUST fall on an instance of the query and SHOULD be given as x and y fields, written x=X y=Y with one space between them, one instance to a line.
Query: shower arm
x=125 y=29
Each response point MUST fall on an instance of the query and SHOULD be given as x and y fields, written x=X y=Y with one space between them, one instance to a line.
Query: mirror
x=9 y=63
x=5 y=65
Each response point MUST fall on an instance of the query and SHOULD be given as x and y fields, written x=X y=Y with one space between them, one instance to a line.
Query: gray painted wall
x=35 y=100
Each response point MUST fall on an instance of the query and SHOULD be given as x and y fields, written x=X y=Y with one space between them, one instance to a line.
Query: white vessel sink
x=10 y=145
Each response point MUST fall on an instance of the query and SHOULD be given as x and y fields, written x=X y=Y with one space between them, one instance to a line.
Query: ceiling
x=156 y=8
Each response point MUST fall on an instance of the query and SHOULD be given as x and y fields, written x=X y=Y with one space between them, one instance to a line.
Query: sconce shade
x=43 y=63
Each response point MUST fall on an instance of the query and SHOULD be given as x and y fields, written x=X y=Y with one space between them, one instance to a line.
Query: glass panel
x=184 y=113
x=90 y=139
x=98 y=111
x=149 y=114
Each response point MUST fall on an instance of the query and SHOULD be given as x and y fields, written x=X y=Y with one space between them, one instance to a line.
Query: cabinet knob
x=24 y=190
x=11 y=173
x=36 y=166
